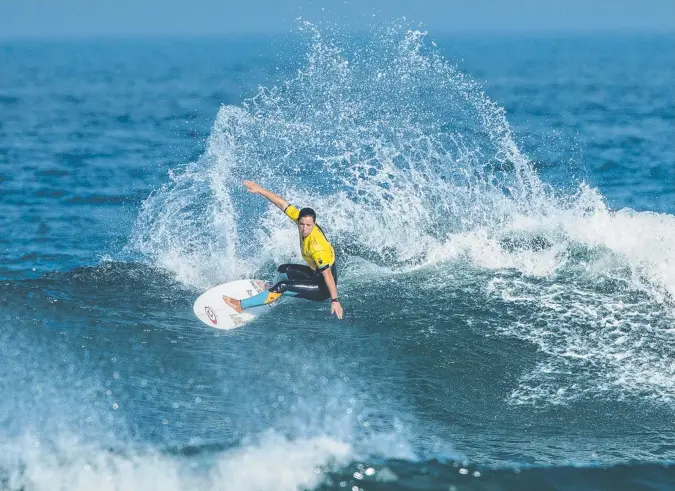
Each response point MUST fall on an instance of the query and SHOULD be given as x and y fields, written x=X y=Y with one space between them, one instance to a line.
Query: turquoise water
x=503 y=211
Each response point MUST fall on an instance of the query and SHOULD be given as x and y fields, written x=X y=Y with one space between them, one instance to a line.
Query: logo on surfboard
x=260 y=285
x=211 y=314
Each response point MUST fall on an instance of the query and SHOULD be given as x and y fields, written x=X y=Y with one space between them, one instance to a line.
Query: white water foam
x=274 y=463
x=597 y=289
x=595 y=344
x=634 y=248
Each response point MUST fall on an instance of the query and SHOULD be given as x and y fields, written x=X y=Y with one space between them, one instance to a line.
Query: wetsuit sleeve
x=322 y=259
x=292 y=212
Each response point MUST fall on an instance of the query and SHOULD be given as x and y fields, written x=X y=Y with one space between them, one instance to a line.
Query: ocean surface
x=503 y=210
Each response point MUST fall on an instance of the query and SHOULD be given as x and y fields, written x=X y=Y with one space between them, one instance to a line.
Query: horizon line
x=233 y=35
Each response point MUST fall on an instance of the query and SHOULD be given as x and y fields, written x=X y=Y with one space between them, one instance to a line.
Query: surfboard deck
x=214 y=312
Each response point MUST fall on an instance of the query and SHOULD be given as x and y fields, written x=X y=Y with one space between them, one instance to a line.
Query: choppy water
x=503 y=210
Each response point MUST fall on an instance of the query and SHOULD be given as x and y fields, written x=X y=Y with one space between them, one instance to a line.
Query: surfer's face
x=305 y=225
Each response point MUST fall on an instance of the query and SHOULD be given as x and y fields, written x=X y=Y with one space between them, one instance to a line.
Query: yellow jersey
x=315 y=248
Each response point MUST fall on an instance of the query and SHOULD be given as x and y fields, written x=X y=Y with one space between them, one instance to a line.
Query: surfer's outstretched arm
x=277 y=200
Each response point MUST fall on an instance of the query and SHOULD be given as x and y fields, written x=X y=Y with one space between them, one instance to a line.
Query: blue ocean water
x=504 y=214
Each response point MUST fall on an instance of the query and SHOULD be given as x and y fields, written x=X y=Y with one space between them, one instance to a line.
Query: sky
x=196 y=18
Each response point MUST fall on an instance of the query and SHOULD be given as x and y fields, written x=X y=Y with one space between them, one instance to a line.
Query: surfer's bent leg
x=298 y=281
x=295 y=272
x=302 y=289
x=288 y=273
x=262 y=298
x=303 y=282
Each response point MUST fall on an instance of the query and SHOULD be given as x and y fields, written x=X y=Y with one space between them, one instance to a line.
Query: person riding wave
x=317 y=281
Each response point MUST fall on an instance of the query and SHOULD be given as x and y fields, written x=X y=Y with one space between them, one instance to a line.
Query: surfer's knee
x=279 y=287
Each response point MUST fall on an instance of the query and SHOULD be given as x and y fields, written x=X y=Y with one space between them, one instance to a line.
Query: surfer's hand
x=336 y=308
x=253 y=187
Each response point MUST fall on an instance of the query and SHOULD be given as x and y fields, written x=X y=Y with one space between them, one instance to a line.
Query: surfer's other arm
x=335 y=306
x=277 y=200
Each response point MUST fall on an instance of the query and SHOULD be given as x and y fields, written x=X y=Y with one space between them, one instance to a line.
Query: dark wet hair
x=307 y=212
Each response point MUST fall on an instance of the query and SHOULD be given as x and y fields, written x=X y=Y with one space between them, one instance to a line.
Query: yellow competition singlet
x=315 y=248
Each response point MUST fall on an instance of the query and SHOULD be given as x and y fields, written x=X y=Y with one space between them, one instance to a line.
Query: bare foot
x=234 y=303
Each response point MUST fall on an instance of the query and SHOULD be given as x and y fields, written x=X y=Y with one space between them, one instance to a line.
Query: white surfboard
x=213 y=311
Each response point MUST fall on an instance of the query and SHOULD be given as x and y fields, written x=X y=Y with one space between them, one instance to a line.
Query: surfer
x=318 y=281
